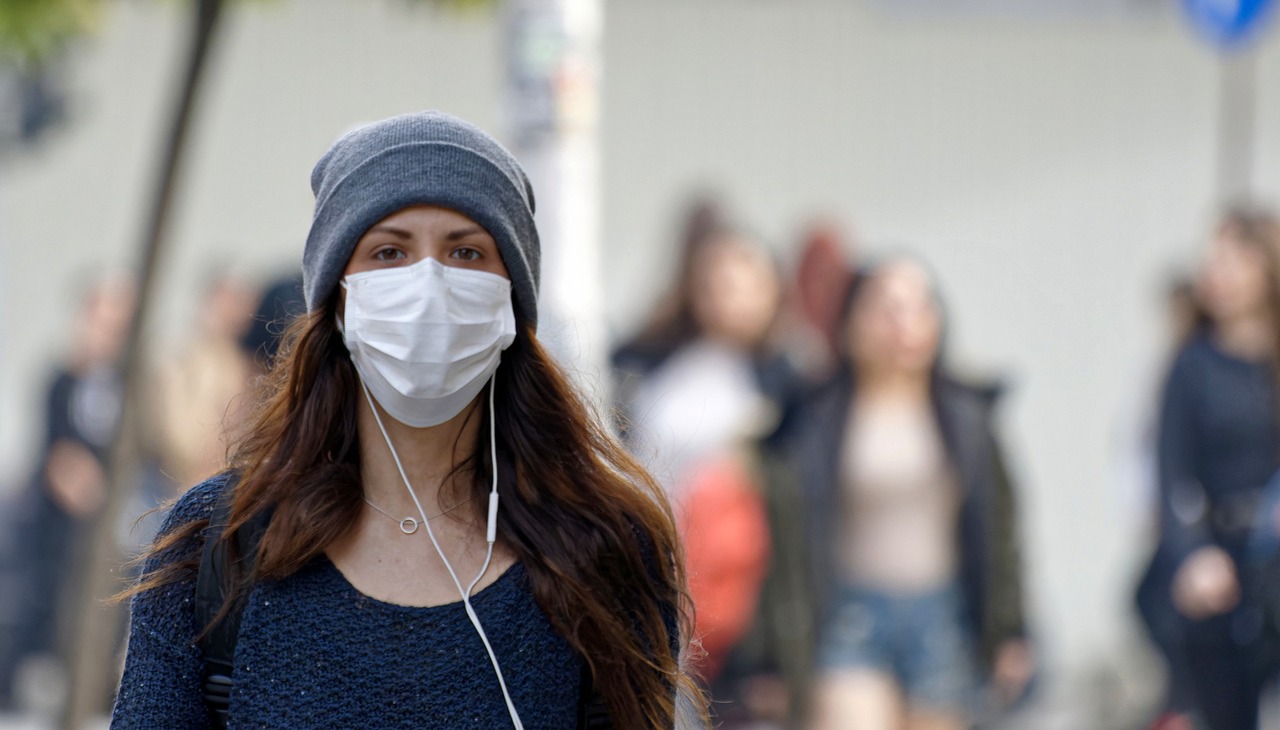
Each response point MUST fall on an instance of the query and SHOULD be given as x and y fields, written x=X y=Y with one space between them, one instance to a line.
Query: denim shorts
x=920 y=641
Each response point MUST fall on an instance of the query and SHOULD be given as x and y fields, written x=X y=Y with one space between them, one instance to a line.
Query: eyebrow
x=462 y=233
x=385 y=228
x=455 y=235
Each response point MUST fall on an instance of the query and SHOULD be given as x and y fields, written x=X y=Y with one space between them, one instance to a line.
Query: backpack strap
x=218 y=644
x=593 y=712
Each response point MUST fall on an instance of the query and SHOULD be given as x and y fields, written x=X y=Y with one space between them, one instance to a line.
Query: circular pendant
x=408 y=525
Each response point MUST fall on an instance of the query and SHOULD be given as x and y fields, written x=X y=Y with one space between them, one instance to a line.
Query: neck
x=1249 y=336
x=429 y=456
x=893 y=384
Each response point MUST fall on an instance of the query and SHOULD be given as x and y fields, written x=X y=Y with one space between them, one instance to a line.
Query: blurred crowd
x=195 y=399
x=850 y=518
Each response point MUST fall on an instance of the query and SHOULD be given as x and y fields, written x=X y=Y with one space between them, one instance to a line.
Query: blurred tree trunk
x=94 y=664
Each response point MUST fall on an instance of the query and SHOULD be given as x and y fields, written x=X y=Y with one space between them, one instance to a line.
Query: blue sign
x=1228 y=23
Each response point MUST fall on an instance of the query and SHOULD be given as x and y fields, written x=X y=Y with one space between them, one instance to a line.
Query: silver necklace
x=410 y=525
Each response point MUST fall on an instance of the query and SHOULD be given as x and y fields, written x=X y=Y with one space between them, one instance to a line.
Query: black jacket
x=803 y=494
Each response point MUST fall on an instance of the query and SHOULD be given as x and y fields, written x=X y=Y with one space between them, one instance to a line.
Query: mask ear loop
x=490 y=537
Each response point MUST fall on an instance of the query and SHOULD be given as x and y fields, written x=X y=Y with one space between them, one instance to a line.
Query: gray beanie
x=424 y=158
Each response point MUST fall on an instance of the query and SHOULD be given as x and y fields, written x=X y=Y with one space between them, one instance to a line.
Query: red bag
x=726 y=537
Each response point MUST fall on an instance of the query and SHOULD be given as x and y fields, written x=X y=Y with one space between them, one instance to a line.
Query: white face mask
x=425 y=338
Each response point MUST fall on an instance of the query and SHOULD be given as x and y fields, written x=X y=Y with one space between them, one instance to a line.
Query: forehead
x=1231 y=240
x=902 y=278
x=731 y=249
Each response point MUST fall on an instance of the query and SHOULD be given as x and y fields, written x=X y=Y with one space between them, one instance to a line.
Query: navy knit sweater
x=1219 y=445
x=314 y=652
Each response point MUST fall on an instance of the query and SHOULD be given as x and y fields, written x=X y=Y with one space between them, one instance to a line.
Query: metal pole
x=1237 y=112
x=553 y=76
x=93 y=664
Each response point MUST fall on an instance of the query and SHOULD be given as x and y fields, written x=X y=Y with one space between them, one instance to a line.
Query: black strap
x=593 y=713
x=218 y=644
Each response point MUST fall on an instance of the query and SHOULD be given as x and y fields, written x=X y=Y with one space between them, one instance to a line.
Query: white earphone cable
x=491 y=536
x=491 y=527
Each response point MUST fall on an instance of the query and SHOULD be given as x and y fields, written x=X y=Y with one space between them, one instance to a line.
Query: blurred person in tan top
x=900 y=497
x=914 y=584
x=199 y=405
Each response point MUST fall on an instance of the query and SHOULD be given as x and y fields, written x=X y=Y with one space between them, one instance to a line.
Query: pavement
x=10 y=721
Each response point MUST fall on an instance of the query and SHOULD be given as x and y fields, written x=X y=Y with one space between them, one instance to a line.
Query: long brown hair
x=1259 y=229
x=671 y=323
x=592 y=528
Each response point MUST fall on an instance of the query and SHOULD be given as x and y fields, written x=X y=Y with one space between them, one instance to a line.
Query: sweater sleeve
x=1183 y=503
x=163 y=666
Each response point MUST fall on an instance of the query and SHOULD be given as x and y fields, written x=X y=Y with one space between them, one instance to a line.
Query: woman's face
x=103 y=324
x=736 y=292
x=895 y=326
x=1233 y=282
x=426 y=231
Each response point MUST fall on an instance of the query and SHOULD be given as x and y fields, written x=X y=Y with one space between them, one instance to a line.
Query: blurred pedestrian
x=724 y=376
x=69 y=486
x=671 y=323
x=200 y=407
x=1219 y=444
x=700 y=392
x=411 y=394
x=908 y=524
x=823 y=270
x=1153 y=596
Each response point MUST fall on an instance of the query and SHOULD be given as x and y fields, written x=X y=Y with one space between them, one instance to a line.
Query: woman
x=411 y=396
x=1218 y=445
x=671 y=322
x=706 y=379
x=200 y=390
x=909 y=521
x=69 y=486
x=1153 y=598
x=723 y=380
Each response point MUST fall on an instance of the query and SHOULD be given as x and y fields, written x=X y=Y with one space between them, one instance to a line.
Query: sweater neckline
x=1216 y=348
x=510 y=574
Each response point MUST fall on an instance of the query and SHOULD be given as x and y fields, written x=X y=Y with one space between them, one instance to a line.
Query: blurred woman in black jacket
x=1218 y=445
x=905 y=525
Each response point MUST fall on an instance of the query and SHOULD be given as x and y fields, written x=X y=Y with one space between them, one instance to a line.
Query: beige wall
x=1050 y=171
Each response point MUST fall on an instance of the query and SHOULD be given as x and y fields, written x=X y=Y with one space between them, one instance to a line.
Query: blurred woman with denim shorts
x=915 y=593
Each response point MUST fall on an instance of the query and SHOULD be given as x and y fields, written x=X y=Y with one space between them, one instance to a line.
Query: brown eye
x=466 y=254
x=390 y=253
